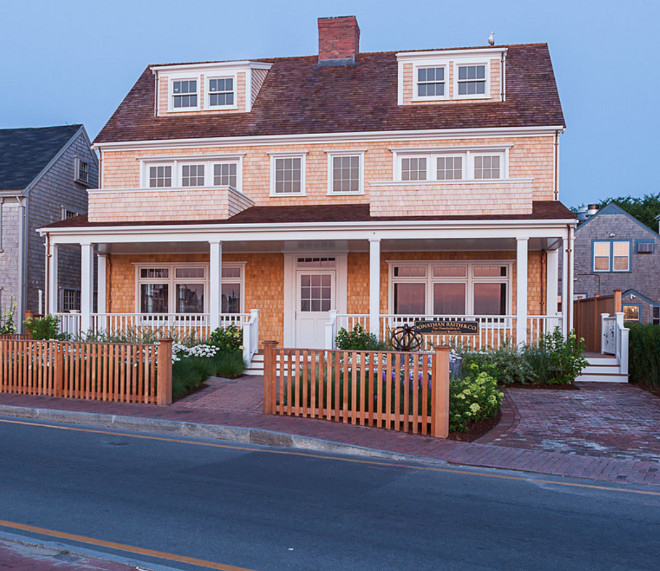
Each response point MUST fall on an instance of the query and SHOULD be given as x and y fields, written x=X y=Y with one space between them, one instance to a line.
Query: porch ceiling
x=387 y=245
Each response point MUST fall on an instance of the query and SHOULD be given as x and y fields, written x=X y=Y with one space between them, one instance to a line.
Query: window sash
x=611 y=256
x=413 y=168
x=225 y=174
x=221 y=92
x=160 y=176
x=345 y=173
x=288 y=175
x=471 y=80
x=184 y=93
x=431 y=82
x=192 y=175
x=448 y=166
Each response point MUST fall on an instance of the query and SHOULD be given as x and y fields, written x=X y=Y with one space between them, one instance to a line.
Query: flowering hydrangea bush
x=472 y=397
x=180 y=351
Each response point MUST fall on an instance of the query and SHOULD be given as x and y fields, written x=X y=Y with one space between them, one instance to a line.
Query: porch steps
x=602 y=369
x=256 y=365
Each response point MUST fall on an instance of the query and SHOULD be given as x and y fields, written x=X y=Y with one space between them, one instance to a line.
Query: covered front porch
x=301 y=286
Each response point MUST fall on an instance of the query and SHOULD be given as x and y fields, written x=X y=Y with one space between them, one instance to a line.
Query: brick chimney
x=339 y=40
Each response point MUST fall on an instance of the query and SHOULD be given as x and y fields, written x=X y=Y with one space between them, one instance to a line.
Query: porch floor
x=564 y=433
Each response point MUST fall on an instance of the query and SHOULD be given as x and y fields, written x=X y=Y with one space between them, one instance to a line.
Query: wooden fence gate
x=586 y=317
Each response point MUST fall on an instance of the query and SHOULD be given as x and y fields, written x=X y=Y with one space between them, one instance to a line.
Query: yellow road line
x=334 y=458
x=120 y=546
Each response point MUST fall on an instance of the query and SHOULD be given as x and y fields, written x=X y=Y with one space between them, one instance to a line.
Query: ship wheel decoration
x=406 y=338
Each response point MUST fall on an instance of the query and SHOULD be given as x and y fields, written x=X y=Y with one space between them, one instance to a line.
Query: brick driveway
x=604 y=420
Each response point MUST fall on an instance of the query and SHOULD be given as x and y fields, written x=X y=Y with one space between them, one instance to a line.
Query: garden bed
x=476 y=429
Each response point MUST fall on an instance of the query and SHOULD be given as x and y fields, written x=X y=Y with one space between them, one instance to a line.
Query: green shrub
x=187 y=375
x=227 y=338
x=358 y=340
x=145 y=335
x=505 y=364
x=471 y=398
x=644 y=354
x=228 y=364
x=555 y=360
x=7 y=325
x=44 y=328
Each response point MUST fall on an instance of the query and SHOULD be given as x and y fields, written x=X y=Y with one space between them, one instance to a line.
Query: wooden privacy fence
x=408 y=392
x=120 y=372
x=586 y=317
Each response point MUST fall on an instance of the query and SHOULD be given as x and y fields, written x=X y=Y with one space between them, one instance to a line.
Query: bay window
x=450 y=288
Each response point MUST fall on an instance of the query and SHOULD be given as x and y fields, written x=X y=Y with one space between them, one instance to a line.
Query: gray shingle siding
x=54 y=192
x=644 y=276
x=8 y=252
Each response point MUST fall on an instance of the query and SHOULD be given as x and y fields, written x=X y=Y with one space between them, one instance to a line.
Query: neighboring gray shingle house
x=614 y=250
x=44 y=176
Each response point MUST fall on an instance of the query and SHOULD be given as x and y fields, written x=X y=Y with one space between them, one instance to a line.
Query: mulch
x=477 y=429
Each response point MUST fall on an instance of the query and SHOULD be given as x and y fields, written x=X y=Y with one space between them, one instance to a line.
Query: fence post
x=440 y=393
x=617 y=301
x=164 y=374
x=58 y=370
x=269 y=375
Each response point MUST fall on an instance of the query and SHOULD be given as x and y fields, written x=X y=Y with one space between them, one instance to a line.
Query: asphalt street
x=193 y=503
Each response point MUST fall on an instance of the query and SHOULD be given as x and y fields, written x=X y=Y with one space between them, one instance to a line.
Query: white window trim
x=427 y=64
x=303 y=179
x=178 y=162
x=468 y=155
x=469 y=280
x=331 y=156
x=76 y=171
x=466 y=62
x=172 y=280
x=610 y=268
x=170 y=92
x=207 y=91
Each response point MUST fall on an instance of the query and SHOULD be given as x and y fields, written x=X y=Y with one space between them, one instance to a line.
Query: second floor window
x=452 y=166
x=486 y=166
x=82 y=171
x=224 y=174
x=288 y=175
x=345 y=174
x=192 y=175
x=160 y=176
x=216 y=171
x=413 y=168
x=611 y=256
x=184 y=94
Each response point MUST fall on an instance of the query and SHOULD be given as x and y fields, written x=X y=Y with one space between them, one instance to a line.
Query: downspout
x=544 y=278
x=47 y=274
x=570 y=274
x=503 y=76
x=556 y=189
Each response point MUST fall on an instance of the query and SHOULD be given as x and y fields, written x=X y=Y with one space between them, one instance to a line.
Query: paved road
x=264 y=508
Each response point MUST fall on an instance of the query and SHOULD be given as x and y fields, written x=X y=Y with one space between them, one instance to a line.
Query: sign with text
x=448 y=327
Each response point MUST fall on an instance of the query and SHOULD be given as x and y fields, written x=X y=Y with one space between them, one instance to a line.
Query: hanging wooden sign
x=447 y=327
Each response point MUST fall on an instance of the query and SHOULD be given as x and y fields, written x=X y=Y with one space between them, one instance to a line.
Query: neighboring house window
x=288 y=175
x=656 y=315
x=431 y=82
x=432 y=288
x=70 y=300
x=192 y=175
x=224 y=174
x=81 y=171
x=631 y=313
x=611 y=256
x=184 y=94
x=452 y=165
x=221 y=92
x=181 y=288
x=160 y=176
x=345 y=174
x=471 y=80
x=66 y=214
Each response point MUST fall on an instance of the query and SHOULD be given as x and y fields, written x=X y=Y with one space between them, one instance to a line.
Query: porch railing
x=181 y=326
x=251 y=336
x=614 y=339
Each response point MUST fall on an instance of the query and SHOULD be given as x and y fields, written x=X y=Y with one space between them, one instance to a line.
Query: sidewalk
x=602 y=432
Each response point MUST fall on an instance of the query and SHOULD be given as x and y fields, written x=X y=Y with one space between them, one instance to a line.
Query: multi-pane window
x=413 y=168
x=315 y=292
x=471 y=80
x=224 y=174
x=450 y=168
x=82 y=171
x=70 y=300
x=431 y=82
x=288 y=175
x=486 y=167
x=611 y=256
x=630 y=312
x=192 y=175
x=449 y=289
x=160 y=176
x=346 y=174
x=450 y=165
x=184 y=94
x=655 y=318
x=221 y=92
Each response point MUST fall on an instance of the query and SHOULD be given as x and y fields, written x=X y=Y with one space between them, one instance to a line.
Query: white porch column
x=521 y=291
x=374 y=286
x=101 y=285
x=571 y=276
x=53 y=252
x=215 y=283
x=86 y=286
x=552 y=258
x=565 y=301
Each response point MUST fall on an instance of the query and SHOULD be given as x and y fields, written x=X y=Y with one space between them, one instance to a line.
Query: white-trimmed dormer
x=218 y=87
x=451 y=76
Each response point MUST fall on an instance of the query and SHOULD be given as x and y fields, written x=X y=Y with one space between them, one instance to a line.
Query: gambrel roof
x=301 y=97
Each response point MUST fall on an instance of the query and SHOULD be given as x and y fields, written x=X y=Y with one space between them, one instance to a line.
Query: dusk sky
x=73 y=62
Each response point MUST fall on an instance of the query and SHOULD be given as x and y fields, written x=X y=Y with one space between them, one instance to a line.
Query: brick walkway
x=545 y=431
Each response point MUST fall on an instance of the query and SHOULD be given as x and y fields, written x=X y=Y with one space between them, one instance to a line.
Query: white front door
x=315 y=297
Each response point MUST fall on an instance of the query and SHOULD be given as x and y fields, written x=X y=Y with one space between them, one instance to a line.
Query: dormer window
x=221 y=92
x=471 y=80
x=431 y=82
x=185 y=94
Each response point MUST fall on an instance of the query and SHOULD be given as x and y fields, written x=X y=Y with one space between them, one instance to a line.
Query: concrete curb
x=238 y=434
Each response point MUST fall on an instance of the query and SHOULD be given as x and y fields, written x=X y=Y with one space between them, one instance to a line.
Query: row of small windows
x=453 y=167
x=471 y=80
x=223 y=174
x=185 y=93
